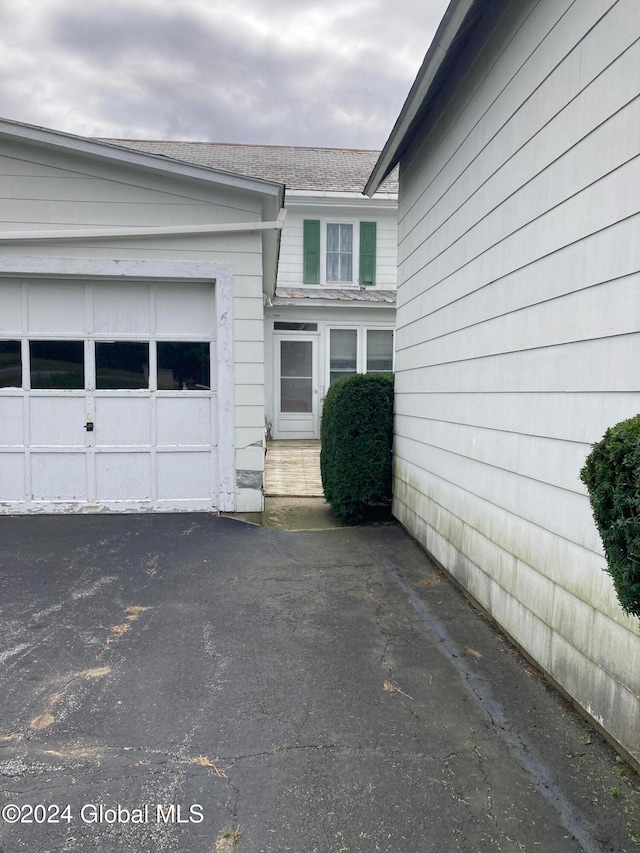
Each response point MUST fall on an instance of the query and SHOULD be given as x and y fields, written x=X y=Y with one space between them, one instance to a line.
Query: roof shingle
x=312 y=169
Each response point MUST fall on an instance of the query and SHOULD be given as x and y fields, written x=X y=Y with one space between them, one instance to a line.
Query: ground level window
x=10 y=364
x=379 y=351
x=183 y=365
x=57 y=364
x=122 y=364
x=343 y=357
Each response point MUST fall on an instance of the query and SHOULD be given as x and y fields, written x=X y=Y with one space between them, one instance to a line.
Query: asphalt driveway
x=193 y=683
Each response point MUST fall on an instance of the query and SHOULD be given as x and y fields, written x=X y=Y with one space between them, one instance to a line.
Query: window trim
x=362 y=330
x=314 y=251
x=355 y=251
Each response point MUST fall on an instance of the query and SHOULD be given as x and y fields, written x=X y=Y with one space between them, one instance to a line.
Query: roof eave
x=127 y=156
x=443 y=45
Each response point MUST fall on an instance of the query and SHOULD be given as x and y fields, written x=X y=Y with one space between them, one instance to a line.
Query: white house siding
x=42 y=189
x=291 y=247
x=518 y=334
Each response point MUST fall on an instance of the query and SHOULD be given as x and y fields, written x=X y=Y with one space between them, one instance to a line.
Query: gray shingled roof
x=319 y=169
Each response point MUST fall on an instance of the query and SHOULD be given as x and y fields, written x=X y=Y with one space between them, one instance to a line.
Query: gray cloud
x=286 y=73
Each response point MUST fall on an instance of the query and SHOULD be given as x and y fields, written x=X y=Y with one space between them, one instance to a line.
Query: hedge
x=357 y=435
x=612 y=476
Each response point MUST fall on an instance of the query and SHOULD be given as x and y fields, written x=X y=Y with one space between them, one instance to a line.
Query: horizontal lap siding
x=60 y=188
x=518 y=334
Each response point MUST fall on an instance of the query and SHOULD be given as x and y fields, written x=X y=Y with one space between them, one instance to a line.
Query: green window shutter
x=311 y=250
x=367 y=253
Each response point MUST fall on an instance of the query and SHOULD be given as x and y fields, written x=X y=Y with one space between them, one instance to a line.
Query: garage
x=132 y=292
x=108 y=398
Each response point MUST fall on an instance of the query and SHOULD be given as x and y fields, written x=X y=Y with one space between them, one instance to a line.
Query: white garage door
x=107 y=397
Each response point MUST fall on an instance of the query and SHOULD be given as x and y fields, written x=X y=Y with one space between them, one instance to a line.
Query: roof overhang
x=458 y=40
x=92 y=148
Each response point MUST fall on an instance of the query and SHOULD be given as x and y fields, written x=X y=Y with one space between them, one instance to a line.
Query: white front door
x=108 y=393
x=296 y=386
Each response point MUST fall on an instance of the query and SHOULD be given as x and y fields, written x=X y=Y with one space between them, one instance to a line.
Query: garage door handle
x=89 y=426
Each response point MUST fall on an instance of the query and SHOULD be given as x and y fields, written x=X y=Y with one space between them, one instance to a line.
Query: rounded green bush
x=611 y=474
x=356 y=446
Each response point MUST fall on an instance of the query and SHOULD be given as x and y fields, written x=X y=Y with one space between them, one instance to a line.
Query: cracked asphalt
x=196 y=684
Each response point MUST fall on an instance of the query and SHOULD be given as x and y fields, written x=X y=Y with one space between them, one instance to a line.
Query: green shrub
x=612 y=476
x=357 y=435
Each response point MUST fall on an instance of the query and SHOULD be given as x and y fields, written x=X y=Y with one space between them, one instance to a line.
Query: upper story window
x=339 y=252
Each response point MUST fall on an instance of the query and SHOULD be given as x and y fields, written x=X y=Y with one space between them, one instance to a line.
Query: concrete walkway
x=194 y=684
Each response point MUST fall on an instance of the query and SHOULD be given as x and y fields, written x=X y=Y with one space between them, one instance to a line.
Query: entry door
x=296 y=387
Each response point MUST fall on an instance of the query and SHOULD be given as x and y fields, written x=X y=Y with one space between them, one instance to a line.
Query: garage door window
x=10 y=364
x=183 y=366
x=122 y=364
x=57 y=364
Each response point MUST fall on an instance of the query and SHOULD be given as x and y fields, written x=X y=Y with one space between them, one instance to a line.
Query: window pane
x=57 y=364
x=343 y=344
x=333 y=267
x=295 y=358
x=379 y=351
x=346 y=268
x=295 y=395
x=296 y=376
x=183 y=365
x=122 y=364
x=333 y=238
x=339 y=252
x=10 y=364
x=279 y=325
x=346 y=238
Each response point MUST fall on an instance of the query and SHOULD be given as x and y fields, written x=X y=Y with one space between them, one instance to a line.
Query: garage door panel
x=12 y=477
x=123 y=476
x=122 y=422
x=11 y=314
x=187 y=310
x=58 y=476
x=65 y=314
x=57 y=421
x=11 y=418
x=184 y=476
x=185 y=421
x=121 y=308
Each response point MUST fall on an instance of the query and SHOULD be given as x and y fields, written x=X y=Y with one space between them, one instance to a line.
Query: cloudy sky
x=283 y=72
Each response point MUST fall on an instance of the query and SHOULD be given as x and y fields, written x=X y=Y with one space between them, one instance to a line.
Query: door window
x=57 y=364
x=10 y=364
x=122 y=364
x=183 y=365
x=296 y=376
